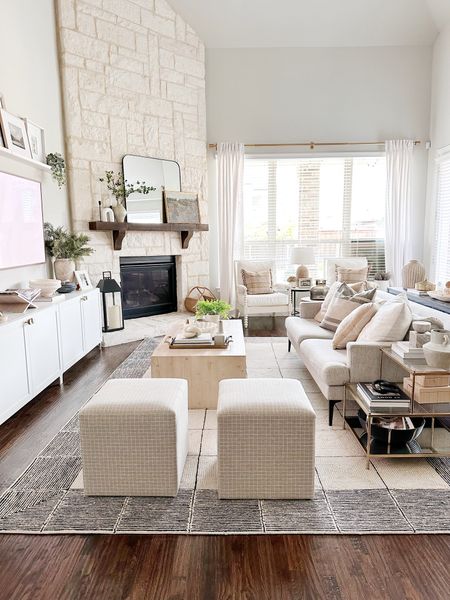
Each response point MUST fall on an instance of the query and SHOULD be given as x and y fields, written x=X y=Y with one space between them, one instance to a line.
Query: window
x=335 y=205
x=441 y=251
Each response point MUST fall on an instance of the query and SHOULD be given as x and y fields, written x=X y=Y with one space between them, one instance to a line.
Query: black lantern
x=111 y=302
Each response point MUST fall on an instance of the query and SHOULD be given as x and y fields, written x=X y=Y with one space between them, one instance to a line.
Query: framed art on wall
x=15 y=133
x=36 y=141
x=83 y=280
x=181 y=207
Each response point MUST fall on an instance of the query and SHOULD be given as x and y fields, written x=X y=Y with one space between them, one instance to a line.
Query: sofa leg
x=331 y=404
x=289 y=345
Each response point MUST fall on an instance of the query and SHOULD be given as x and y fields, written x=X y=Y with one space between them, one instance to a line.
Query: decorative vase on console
x=64 y=269
x=412 y=273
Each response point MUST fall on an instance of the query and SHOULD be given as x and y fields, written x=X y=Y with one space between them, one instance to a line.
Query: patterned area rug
x=401 y=496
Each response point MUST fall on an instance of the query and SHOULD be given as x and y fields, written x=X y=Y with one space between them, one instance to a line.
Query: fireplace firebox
x=149 y=285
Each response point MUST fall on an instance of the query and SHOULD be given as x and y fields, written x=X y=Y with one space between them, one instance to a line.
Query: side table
x=301 y=292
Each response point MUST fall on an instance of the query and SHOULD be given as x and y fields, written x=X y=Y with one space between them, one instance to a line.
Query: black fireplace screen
x=149 y=285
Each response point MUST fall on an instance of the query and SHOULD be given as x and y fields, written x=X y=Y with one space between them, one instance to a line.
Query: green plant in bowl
x=208 y=308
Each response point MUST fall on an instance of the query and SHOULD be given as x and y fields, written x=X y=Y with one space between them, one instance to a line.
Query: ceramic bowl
x=48 y=287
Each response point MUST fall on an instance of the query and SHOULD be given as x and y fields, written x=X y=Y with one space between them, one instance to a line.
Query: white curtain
x=399 y=155
x=230 y=157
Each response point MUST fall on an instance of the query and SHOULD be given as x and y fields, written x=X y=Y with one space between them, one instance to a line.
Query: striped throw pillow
x=349 y=328
x=344 y=302
x=257 y=283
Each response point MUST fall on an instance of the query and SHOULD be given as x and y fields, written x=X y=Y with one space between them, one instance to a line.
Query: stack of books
x=374 y=399
x=404 y=350
x=201 y=340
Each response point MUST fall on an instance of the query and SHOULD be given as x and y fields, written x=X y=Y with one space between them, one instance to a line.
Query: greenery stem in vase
x=120 y=188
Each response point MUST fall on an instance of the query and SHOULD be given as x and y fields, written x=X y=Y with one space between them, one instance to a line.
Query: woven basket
x=195 y=294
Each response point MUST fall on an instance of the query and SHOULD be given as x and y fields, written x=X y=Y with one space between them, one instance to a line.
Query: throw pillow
x=390 y=323
x=351 y=275
x=344 y=302
x=349 y=329
x=257 y=283
x=328 y=298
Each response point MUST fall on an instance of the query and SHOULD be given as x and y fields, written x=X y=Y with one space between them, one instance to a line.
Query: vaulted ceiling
x=294 y=23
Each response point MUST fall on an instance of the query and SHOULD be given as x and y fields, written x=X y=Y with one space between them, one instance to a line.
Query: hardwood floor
x=175 y=567
x=224 y=567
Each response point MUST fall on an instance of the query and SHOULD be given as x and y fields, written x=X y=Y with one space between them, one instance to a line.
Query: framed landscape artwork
x=181 y=207
x=15 y=133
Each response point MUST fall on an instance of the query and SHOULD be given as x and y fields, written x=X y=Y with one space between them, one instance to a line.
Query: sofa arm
x=308 y=310
x=365 y=362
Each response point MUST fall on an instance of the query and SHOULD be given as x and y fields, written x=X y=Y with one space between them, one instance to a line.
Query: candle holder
x=111 y=294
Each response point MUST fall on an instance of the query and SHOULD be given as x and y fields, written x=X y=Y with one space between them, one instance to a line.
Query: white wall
x=29 y=81
x=321 y=94
x=439 y=126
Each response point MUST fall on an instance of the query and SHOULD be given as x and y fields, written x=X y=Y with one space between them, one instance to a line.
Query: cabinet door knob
x=29 y=321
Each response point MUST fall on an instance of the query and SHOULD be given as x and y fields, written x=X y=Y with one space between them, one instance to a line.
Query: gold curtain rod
x=312 y=145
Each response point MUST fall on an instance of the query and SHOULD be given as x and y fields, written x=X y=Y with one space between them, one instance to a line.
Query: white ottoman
x=134 y=438
x=266 y=438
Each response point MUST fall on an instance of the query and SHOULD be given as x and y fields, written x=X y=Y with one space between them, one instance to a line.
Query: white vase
x=120 y=212
x=212 y=318
x=412 y=273
x=437 y=351
x=64 y=268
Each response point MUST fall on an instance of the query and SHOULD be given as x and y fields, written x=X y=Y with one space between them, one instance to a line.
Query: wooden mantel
x=119 y=230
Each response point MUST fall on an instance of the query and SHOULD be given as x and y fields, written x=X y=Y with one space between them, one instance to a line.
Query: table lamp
x=302 y=256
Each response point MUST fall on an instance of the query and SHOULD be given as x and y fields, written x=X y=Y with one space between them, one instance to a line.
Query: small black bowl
x=399 y=437
x=66 y=288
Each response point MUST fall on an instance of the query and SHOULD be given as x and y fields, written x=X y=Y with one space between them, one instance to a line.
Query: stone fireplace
x=133 y=81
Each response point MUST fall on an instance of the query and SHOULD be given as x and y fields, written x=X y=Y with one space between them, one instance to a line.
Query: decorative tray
x=438 y=296
x=187 y=346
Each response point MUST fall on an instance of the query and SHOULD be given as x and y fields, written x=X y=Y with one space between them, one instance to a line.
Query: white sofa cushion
x=390 y=324
x=274 y=299
x=304 y=329
x=329 y=364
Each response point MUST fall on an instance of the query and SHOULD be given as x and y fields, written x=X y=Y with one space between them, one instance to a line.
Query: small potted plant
x=121 y=189
x=65 y=248
x=212 y=310
x=382 y=278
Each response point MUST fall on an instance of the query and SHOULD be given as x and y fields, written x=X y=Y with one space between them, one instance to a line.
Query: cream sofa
x=360 y=361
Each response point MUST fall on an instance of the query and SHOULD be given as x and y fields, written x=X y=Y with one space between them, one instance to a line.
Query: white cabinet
x=92 y=322
x=38 y=346
x=42 y=346
x=71 y=333
x=14 y=384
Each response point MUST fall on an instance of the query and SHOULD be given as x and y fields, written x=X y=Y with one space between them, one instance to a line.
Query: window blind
x=441 y=250
x=336 y=205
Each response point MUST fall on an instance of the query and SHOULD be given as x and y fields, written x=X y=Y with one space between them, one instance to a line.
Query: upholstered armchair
x=332 y=264
x=276 y=303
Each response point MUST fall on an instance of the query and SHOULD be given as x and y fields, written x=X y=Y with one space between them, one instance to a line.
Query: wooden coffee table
x=204 y=367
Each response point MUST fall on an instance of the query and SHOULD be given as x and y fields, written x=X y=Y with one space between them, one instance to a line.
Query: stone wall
x=133 y=78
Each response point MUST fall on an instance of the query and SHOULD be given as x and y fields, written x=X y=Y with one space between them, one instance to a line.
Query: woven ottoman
x=266 y=438
x=134 y=438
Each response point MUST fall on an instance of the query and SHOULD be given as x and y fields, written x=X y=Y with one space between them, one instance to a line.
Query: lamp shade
x=302 y=255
